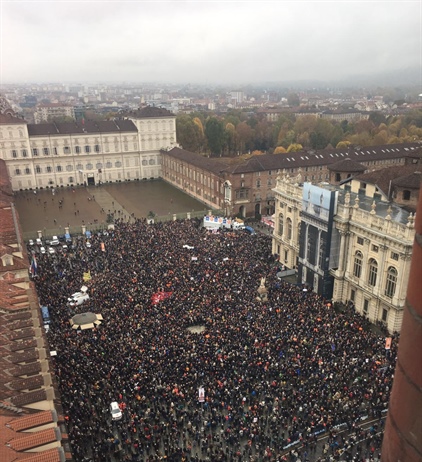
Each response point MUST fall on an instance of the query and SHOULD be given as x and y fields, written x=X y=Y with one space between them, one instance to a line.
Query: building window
x=365 y=306
x=27 y=170
x=406 y=195
x=45 y=151
x=269 y=182
x=118 y=164
x=353 y=295
x=286 y=256
x=98 y=165
x=384 y=315
x=97 y=148
x=109 y=164
x=48 y=169
x=360 y=240
x=357 y=265
x=77 y=149
x=66 y=150
x=373 y=271
x=395 y=256
x=71 y=179
x=289 y=228
x=24 y=153
x=59 y=168
x=14 y=153
x=89 y=166
x=87 y=149
x=338 y=177
x=144 y=162
x=79 y=167
x=280 y=224
x=17 y=171
x=38 y=169
x=152 y=162
x=69 y=168
x=375 y=248
x=391 y=283
x=242 y=193
x=258 y=183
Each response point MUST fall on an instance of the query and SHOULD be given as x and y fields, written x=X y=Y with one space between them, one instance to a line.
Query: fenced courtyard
x=51 y=211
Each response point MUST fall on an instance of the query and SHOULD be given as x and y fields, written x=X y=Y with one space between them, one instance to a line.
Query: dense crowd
x=277 y=374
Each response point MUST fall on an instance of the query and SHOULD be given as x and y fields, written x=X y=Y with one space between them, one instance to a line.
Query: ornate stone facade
x=374 y=250
x=66 y=154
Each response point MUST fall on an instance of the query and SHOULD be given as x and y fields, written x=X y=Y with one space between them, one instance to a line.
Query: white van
x=116 y=413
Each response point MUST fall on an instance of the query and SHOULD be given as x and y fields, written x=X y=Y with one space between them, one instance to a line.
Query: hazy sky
x=206 y=41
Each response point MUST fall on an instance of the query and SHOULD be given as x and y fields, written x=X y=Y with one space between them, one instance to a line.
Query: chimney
x=403 y=432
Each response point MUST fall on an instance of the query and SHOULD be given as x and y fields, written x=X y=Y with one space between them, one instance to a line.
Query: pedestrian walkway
x=108 y=203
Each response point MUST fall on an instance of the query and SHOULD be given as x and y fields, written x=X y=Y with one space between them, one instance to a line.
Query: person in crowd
x=181 y=312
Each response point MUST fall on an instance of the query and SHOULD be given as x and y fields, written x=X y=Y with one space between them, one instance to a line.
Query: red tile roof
x=20 y=368
x=31 y=421
x=32 y=440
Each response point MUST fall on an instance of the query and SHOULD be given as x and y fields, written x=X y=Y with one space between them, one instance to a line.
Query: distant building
x=48 y=112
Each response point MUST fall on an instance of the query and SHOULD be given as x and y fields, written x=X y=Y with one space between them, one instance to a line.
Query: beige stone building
x=65 y=154
x=47 y=112
x=372 y=243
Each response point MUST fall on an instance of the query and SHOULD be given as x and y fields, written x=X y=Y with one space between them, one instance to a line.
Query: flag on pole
x=87 y=276
x=34 y=265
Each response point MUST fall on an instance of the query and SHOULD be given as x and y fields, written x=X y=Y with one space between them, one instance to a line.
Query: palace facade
x=351 y=250
x=88 y=152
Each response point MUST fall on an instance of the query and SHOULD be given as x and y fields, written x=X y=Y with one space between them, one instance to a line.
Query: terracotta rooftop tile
x=26 y=369
x=30 y=397
x=52 y=455
x=30 y=383
x=31 y=421
x=27 y=356
x=32 y=440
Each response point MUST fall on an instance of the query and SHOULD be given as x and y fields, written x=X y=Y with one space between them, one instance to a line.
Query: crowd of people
x=277 y=375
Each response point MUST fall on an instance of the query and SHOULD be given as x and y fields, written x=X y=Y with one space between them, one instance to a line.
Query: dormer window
x=7 y=260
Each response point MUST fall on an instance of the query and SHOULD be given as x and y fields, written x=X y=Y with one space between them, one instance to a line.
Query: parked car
x=31 y=242
x=38 y=241
x=116 y=413
x=42 y=250
x=64 y=247
x=55 y=241
x=51 y=250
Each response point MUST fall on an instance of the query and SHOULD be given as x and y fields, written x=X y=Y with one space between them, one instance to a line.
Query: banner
x=159 y=296
x=201 y=395
x=34 y=265
x=87 y=276
x=388 y=343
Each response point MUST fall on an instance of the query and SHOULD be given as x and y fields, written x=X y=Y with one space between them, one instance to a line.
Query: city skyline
x=209 y=42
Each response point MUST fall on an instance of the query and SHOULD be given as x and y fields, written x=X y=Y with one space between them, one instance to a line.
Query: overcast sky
x=206 y=41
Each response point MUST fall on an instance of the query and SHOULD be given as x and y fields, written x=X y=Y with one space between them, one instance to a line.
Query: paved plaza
x=74 y=207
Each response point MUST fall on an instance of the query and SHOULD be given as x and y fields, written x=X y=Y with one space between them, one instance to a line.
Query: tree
x=214 y=133
x=295 y=147
x=343 y=144
x=230 y=137
x=188 y=133
x=280 y=150
x=245 y=136
x=377 y=118
x=293 y=99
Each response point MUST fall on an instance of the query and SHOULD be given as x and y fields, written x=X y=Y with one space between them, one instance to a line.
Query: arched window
x=357 y=264
x=289 y=228
x=280 y=224
x=391 y=283
x=373 y=270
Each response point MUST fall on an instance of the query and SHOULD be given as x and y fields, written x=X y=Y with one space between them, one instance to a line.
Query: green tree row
x=237 y=133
